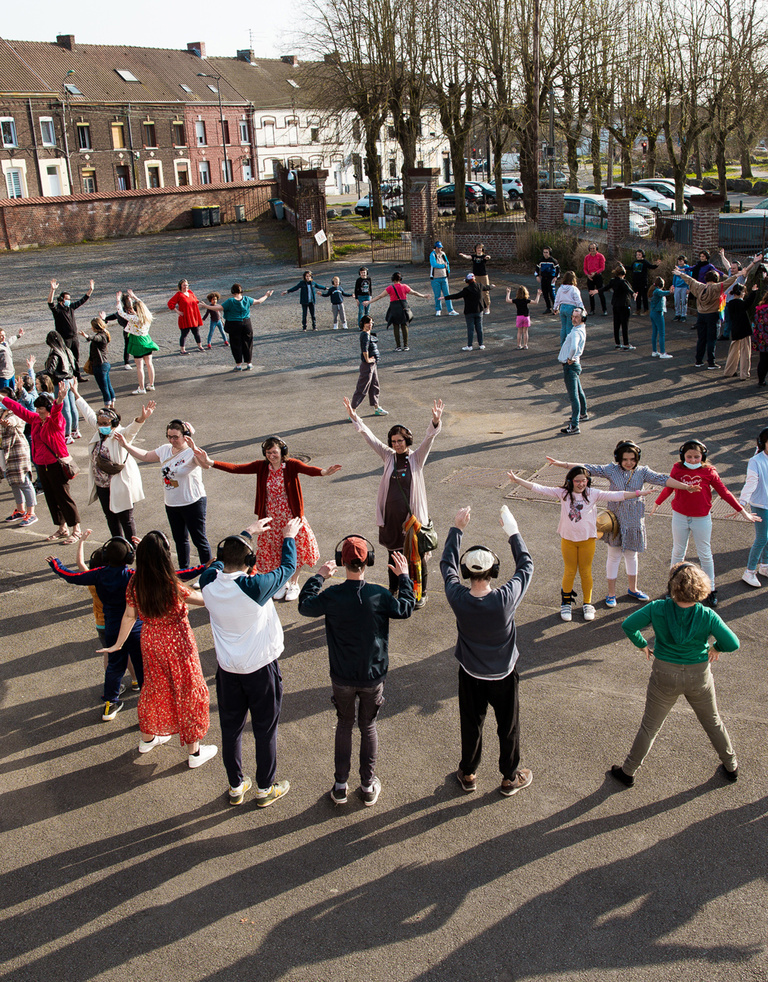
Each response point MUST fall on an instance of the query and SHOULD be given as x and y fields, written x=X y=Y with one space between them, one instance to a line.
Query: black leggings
x=762 y=367
x=185 y=331
x=185 y=521
x=621 y=321
x=240 y=340
x=119 y=522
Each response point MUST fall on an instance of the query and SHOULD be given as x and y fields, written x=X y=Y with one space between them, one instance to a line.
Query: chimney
x=196 y=48
x=289 y=59
x=246 y=55
x=66 y=41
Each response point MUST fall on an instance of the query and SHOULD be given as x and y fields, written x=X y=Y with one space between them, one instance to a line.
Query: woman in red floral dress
x=278 y=495
x=174 y=697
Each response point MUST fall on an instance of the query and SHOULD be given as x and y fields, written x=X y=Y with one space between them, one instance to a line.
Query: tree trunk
x=572 y=145
x=597 y=173
x=721 y=169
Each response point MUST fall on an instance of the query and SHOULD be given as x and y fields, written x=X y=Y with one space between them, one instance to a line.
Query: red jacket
x=291 y=470
x=697 y=505
x=189 y=312
x=47 y=438
x=593 y=264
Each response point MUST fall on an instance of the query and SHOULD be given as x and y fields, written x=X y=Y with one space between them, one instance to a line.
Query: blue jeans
x=361 y=308
x=101 y=377
x=212 y=331
x=474 y=325
x=657 y=332
x=344 y=699
x=118 y=662
x=261 y=692
x=681 y=301
x=682 y=527
x=440 y=289
x=566 y=309
x=758 y=553
x=70 y=412
x=572 y=378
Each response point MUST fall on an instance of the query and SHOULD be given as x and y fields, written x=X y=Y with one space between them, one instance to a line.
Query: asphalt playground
x=119 y=867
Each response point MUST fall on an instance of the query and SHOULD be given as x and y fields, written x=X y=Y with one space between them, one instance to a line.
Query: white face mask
x=691 y=467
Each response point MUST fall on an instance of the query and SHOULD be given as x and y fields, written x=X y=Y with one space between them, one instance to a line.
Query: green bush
x=530 y=243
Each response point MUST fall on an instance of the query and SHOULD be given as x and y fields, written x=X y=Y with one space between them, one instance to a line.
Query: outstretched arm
x=148 y=456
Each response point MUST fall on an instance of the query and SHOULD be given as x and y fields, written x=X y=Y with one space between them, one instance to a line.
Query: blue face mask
x=105 y=430
x=691 y=467
x=65 y=303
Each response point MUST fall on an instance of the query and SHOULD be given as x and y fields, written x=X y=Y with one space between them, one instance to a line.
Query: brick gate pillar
x=706 y=223
x=551 y=205
x=311 y=207
x=422 y=204
x=617 y=200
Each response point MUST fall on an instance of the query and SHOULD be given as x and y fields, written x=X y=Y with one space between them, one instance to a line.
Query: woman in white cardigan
x=113 y=475
x=402 y=491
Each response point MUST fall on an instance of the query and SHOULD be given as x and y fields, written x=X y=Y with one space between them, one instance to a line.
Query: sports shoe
x=111 y=709
x=139 y=392
x=584 y=418
x=339 y=795
x=665 y=354
x=628 y=780
x=732 y=776
x=438 y=313
x=280 y=595
x=467 y=347
x=208 y=347
x=588 y=611
x=372 y=796
x=619 y=347
x=205 y=752
x=699 y=364
x=453 y=313
x=610 y=601
x=150 y=388
x=239 y=368
x=628 y=347
x=266 y=798
x=468 y=783
x=406 y=348
x=565 y=612
x=638 y=594
x=292 y=591
x=226 y=344
x=398 y=349
x=29 y=520
x=482 y=347
x=711 y=368
x=146 y=745
x=15 y=516
x=750 y=576
x=127 y=368
x=654 y=354
x=420 y=603
x=711 y=600
x=249 y=366
x=523 y=777
x=236 y=795
x=135 y=687
x=762 y=569
x=379 y=411
x=570 y=429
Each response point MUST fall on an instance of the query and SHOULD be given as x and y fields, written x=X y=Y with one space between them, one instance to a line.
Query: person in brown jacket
x=708 y=306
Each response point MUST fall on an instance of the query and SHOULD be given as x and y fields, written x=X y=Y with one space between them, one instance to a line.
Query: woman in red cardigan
x=48 y=446
x=278 y=496
x=188 y=307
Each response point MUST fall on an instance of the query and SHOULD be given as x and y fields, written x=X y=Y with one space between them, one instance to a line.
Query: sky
x=161 y=25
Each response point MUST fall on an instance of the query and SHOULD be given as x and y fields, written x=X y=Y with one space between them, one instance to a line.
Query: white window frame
x=4 y=120
x=204 y=167
x=47 y=142
x=292 y=125
x=200 y=125
x=268 y=126
x=177 y=162
x=19 y=169
x=155 y=165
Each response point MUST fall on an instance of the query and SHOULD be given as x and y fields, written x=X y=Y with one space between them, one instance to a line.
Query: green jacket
x=682 y=633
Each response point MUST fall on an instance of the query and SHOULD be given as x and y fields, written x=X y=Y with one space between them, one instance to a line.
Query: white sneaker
x=565 y=612
x=156 y=741
x=467 y=347
x=453 y=313
x=127 y=368
x=437 y=313
x=588 y=611
x=482 y=347
x=281 y=592
x=205 y=752
x=654 y=354
x=292 y=591
x=139 y=392
x=664 y=354
x=750 y=576
x=762 y=569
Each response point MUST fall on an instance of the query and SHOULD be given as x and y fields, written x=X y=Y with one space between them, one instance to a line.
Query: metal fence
x=737 y=234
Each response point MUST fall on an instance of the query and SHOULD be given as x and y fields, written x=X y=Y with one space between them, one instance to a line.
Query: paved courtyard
x=118 y=867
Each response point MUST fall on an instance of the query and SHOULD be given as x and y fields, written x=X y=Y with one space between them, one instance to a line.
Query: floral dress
x=174 y=697
x=269 y=545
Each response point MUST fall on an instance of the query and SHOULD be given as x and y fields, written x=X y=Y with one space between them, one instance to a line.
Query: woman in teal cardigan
x=681 y=657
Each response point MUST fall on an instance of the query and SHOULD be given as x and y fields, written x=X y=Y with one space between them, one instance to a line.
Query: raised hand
x=463 y=516
x=146 y=411
x=399 y=564
x=201 y=456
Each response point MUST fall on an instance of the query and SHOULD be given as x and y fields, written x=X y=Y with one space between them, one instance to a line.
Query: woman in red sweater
x=188 y=307
x=692 y=513
x=278 y=496
x=48 y=446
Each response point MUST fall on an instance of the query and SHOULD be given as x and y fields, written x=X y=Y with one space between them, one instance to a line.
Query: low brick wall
x=499 y=238
x=29 y=222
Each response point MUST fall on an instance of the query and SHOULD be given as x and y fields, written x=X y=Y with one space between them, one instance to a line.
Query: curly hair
x=688 y=583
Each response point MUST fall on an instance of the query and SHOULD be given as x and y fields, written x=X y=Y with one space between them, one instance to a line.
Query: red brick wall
x=28 y=222
x=499 y=239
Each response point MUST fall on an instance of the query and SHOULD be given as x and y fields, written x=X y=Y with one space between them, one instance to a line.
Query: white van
x=590 y=211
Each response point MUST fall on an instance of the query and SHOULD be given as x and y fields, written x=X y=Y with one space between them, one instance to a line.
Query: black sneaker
x=621 y=776
x=570 y=429
x=111 y=709
x=372 y=796
x=711 y=600
x=339 y=795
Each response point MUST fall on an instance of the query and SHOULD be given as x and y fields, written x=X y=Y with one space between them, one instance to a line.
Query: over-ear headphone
x=248 y=560
x=403 y=431
x=368 y=559
x=494 y=570
x=677 y=572
x=626 y=446
x=272 y=440
x=692 y=445
x=161 y=535
x=112 y=414
x=762 y=439
x=179 y=424
x=130 y=552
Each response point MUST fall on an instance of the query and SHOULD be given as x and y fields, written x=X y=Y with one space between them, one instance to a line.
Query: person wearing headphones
x=681 y=657
x=278 y=495
x=754 y=494
x=248 y=639
x=185 y=498
x=113 y=475
x=625 y=474
x=357 y=616
x=692 y=512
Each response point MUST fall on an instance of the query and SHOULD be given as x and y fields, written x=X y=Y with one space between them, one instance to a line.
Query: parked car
x=561 y=181
x=513 y=187
x=590 y=211
x=475 y=194
x=653 y=200
x=760 y=210
x=392 y=199
x=667 y=188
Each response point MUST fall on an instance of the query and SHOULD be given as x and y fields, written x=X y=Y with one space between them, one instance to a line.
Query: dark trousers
x=118 y=662
x=596 y=283
x=367 y=381
x=706 y=337
x=762 y=367
x=640 y=287
x=126 y=355
x=474 y=326
x=185 y=331
x=261 y=692
x=74 y=346
x=548 y=293
x=56 y=490
x=475 y=695
x=621 y=324
x=394 y=582
x=370 y=702
x=308 y=308
x=119 y=522
x=241 y=340
x=189 y=521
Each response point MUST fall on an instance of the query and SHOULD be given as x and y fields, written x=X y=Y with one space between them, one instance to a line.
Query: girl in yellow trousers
x=578 y=530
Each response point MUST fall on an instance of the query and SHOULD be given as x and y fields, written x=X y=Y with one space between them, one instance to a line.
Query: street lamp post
x=64 y=107
x=221 y=121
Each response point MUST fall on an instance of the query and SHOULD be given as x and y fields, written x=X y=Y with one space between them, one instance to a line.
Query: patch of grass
x=343 y=250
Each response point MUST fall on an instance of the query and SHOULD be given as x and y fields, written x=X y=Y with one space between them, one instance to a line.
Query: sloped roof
x=265 y=82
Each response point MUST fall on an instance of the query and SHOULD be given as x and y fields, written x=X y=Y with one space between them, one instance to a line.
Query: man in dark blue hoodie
x=486 y=649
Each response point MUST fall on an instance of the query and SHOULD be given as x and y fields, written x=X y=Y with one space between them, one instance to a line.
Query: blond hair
x=143 y=313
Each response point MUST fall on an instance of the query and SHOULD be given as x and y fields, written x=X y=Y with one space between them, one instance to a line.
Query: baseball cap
x=354 y=550
x=479 y=560
x=438 y=245
x=469 y=277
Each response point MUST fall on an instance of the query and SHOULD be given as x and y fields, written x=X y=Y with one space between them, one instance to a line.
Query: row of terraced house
x=78 y=118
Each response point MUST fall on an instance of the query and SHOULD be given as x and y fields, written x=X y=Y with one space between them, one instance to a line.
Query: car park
x=392 y=200
x=667 y=188
x=652 y=200
x=760 y=210
x=475 y=193
x=590 y=211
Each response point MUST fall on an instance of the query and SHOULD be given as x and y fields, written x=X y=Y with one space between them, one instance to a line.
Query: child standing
x=522 y=302
x=620 y=298
x=680 y=288
x=547 y=272
x=363 y=291
x=640 y=269
x=657 y=305
x=740 y=349
x=307 y=297
x=480 y=272
x=578 y=530
x=337 y=295
x=567 y=299
x=216 y=321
